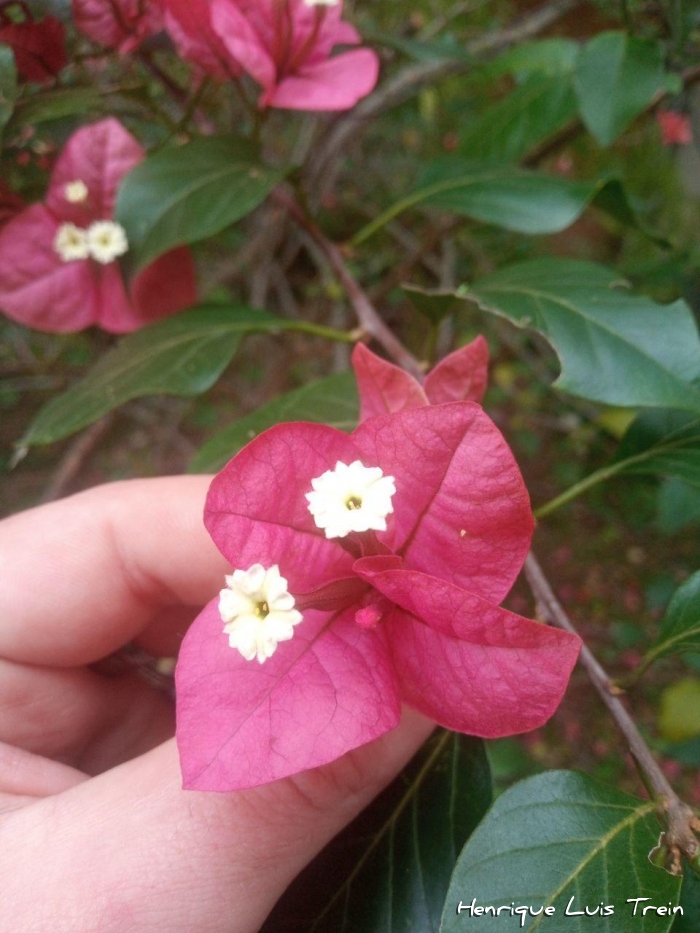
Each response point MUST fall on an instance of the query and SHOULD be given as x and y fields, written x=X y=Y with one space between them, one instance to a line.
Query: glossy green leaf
x=680 y=629
x=562 y=840
x=663 y=442
x=521 y=121
x=185 y=194
x=515 y=199
x=8 y=85
x=613 y=346
x=183 y=355
x=435 y=305
x=330 y=401
x=389 y=870
x=615 y=79
x=689 y=920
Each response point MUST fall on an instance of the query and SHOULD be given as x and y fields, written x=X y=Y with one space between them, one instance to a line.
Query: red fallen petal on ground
x=189 y=25
x=337 y=83
x=239 y=723
x=383 y=387
x=100 y=155
x=257 y=512
x=461 y=376
x=461 y=510
x=469 y=665
x=118 y=24
x=39 y=47
x=37 y=288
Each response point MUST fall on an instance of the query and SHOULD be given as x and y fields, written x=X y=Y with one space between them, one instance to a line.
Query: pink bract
x=118 y=24
x=286 y=47
x=189 y=25
x=41 y=290
x=406 y=615
x=385 y=388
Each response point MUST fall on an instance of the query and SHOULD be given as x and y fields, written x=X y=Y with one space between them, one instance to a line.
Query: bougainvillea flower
x=675 y=128
x=39 y=47
x=286 y=45
x=384 y=388
x=188 y=23
x=407 y=614
x=118 y=24
x=10 y=204
x=59 y=267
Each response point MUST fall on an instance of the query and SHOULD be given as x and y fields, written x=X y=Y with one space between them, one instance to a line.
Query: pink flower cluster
x=368 y=572
x=59 y=268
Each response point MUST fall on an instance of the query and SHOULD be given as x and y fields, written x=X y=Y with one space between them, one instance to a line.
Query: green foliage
x=183 y=355
x=56 y=105
x=8 y=86
x=332 y=401
x=390 y=870
x=190 y=192
x=555 y=837
x=680 y=629
x=664 y=442
x=613 y=346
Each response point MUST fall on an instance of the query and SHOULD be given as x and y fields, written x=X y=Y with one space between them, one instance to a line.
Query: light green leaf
x=532 y=112
x=515 y=199
x=543 y=56
x=191 y=192
x=390 y=870
x=561 y=839
x=183 y=355
x=331 y=401
x=616 y=78
x=680 y=629
x=613 y=346
x=679 y=718
x=8 y=85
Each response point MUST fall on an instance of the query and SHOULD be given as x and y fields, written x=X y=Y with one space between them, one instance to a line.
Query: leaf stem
x=320 y=330
x=682 y=823
x=599 y=476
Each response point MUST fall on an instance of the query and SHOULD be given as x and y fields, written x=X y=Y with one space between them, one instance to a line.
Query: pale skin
x=96 y=833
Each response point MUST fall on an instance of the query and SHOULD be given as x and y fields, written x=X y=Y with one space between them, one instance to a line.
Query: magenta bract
x=43 y=290
x=188 y=23
x=407 y=614
x=118 y=24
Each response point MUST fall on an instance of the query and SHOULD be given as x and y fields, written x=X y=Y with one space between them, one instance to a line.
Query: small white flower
x=76 y=192
x=106 y=241
x=258 y=611
x=352 y=497
x=71 y=243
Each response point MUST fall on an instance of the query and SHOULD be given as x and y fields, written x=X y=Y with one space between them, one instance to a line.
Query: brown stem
x=367 y=315
x=681 y=821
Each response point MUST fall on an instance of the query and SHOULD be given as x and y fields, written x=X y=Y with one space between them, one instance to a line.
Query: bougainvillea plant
x=465 y=239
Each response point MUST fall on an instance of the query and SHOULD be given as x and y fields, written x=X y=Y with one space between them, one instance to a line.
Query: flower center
x=351 y=498
x=354 y=502
x=76 y=192
x=262 y=610
x=71 y=243
x=106 y=241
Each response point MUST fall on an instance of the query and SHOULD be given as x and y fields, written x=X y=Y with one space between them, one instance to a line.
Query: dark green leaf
x=54 y=105
x=191 y=192
x=418 y=50
x=183 y=355
x=614 y=346
x=616 y=77
x=680 y=629
x=435 y=305
x=521 y=121
x=553 y=838
x=677 y=506
x=543 y=56
x=389 y=871
x=689 y=920
x=663 y=442
x=330 y=401
x=8 y=85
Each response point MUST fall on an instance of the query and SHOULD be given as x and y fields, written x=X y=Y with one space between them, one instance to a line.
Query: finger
x=22 y=773
x=83 y=576
x=80 y=717
x=141 y=853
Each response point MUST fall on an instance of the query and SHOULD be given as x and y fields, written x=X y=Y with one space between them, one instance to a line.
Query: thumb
x=131 y=850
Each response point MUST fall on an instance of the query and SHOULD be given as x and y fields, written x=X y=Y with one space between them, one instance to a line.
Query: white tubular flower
x=71 y=243
x=258 y=611
x=106 y=241
x=352 y=497
x=76 y=192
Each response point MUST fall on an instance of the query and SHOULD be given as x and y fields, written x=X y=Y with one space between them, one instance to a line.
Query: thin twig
x=682 y=822
x=367 y=315
x=74 y=459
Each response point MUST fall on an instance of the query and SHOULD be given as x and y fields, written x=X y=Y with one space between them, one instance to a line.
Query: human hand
x=96 y=834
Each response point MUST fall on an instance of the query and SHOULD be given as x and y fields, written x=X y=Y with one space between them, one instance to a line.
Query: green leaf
x=535 y=110
x=435 y=305
x=613 y=346
x=677 y=506
x=418 y=50
x=54 y=105
x=689 y=920
x=331 y=401
x=663 y=442
x=616 y=78
x=543 y=56
x=515 y=199
x=390 y=870
x=183 y=355
x=562 y=839
x=191 y=192
x=679 y=719
x=8 y=85
x=680 y=629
